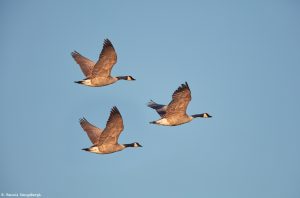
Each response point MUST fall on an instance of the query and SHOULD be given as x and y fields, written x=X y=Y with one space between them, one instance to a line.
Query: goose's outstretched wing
x=114 y=127
x=107 y=60
x=180 y=100
x=85 y=64
x=160 y=109
x=92 y=131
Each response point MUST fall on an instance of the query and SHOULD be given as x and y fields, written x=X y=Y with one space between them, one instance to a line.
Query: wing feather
x=86 y=65
x=114 y=127
x=159 y=108
x=107 y=60
x=92 y=131
x=180 y=100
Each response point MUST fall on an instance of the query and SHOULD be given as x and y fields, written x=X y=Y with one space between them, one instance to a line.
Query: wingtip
x=187 y=85
x=74 y=53
x=148 y=104
x=78 y=82
x=107 y=42
x=115 y=109
x=82 y=120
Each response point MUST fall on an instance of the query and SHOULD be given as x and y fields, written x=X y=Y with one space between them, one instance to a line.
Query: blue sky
x=240 y=58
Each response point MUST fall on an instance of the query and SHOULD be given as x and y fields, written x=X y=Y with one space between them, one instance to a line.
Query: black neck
x=122 y=77
x=129 y=145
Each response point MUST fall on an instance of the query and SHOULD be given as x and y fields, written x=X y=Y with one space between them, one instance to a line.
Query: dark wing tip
x=82 y=120
x=187 y=85
x=149 y=103
x=114 y=111
x=107 y=43
x=106 y=40
x=74 y=54
x=182 y=87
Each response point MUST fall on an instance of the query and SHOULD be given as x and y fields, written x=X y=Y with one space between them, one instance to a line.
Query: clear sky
x=240 y=58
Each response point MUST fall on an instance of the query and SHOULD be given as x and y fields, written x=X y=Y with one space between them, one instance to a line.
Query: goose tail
x=79 y=82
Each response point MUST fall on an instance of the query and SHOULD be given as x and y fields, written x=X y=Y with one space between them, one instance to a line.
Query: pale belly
x=106 y=149
x=99 y=81
x=173 y=121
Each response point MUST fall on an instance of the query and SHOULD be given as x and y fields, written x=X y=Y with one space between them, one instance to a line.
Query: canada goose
x=98 y=74
x=106 y=141
x=175 y=112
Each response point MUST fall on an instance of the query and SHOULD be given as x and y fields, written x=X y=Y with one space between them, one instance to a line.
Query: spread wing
x=180 y=100
x=92 y=131
x=114 y=127
x=85 y=64
x=107 y=59
x=160 y=109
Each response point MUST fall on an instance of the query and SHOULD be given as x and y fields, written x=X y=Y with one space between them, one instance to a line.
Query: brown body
x=174 y=120
x=106 y=149
x=99 y=81
x=99 y=74
x=174 y=113
x=106 y=141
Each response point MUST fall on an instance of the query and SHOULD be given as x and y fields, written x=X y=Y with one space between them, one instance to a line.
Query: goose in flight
x=106 y=141
x=98 y=74
x=175 y=112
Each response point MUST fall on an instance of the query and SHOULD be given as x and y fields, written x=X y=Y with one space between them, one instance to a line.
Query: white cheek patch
x=205 y=115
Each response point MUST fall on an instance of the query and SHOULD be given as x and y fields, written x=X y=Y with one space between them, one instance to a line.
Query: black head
x=130 y=78
x=202 y=115
x=136 y=144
